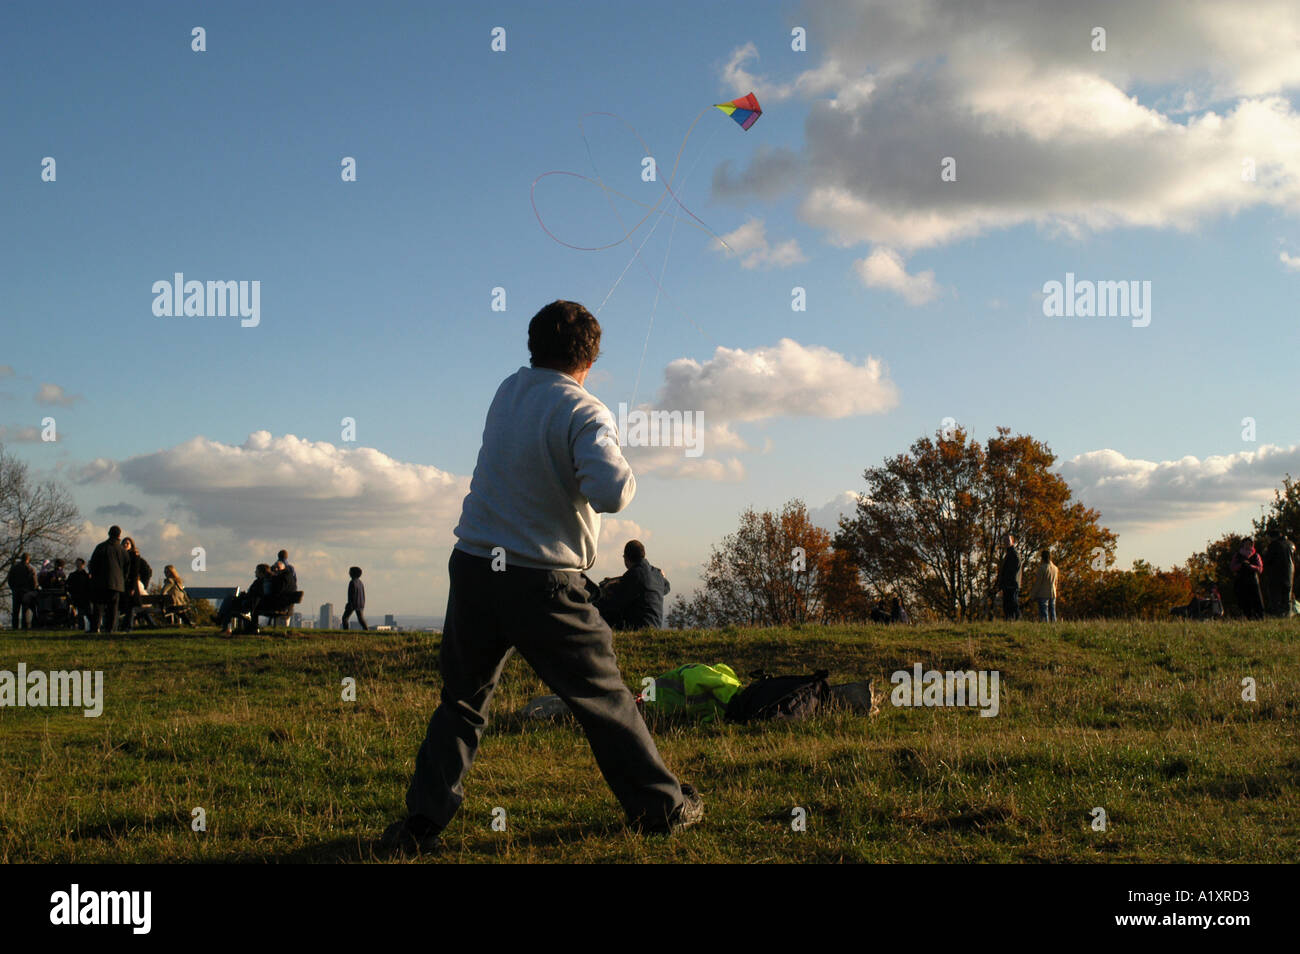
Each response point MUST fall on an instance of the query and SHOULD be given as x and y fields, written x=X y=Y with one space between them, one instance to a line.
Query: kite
x=744 y=111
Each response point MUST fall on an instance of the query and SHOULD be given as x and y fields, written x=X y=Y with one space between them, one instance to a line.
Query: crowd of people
x=112 y=589
x=1275 y=567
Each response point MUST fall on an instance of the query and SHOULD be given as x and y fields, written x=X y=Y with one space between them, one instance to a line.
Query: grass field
x=1145 y=720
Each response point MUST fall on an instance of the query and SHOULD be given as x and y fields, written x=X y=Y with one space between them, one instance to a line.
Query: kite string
x=636 y=387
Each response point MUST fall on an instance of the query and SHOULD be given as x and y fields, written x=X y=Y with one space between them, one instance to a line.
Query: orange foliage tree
x=930 y=524
x=772 y=571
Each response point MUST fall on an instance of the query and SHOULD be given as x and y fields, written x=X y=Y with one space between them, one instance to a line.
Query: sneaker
x=690 y=812
x=413 y=835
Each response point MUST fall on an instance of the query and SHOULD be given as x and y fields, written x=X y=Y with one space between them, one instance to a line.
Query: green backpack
x=694 y=690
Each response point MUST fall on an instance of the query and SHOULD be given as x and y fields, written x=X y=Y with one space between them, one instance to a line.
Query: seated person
x=279 y=592
x=636 y=601
x=1205 y=604
x=174 y=598
x=245 y=602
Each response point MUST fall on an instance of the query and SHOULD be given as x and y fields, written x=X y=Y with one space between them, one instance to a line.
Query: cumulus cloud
x=788 y=380
x=827 y=516
x=271 y=487
x=53 y=394
x=1292 y=262
x=884 y=268
x=738 y=385
x=749 y=243
x=1152 y=493
x=98 y=471
x=1045 y=131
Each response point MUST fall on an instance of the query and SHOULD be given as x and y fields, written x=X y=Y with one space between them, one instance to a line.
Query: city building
x=326 y=615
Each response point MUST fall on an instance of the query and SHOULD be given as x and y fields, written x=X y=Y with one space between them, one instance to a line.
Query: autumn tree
x=1144 y=592
x=769 y=572
x=930 y=525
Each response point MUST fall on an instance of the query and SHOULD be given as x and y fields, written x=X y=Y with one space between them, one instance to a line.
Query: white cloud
x=749 y=242
x=827 y=516
x=1044 y=131
x=1131 y=491
x=1292 y=262
x=271 y=487
x=788 y=380
x=884 y=268
x=738 y=385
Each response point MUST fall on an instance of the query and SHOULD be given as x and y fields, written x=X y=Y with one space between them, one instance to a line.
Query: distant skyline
x=920 y=174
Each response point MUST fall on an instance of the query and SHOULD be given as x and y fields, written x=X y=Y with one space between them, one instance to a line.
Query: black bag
x=779 y=697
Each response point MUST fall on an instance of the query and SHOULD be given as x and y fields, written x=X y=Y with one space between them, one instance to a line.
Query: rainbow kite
x=744 y=111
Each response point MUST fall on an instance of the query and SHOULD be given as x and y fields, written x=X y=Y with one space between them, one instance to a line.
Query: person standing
x=1246 y=569
x=548 y=467
x=356 y=599
x=22 y=583
x=79 y=594
x=1009 y=578
x=108 y=566
x=1045 y=588
x=138 y=575
x=1279 y=572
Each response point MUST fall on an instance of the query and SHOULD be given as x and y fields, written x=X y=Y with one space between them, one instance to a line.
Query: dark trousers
x=105 y=606
x=22 y=609
x=1011 y=602
x=347 y=614
x=546 y=615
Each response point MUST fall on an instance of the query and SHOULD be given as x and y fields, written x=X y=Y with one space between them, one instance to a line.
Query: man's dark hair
x=59 y=563
x=80 y=562
x=564 y=336
x=114 y=532
x=24 y=557
x=634 y=550
x=283 y=556
x=1047 y=556
x=354 y=572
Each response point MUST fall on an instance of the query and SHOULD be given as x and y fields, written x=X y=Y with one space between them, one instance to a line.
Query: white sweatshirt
x=546 y=471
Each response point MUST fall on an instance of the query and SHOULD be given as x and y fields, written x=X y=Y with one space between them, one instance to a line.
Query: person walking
x=356 y=599
x=528 y=528
x=1246 y=569
x=1044 y=590
x=1009 y=578
x=108 y=567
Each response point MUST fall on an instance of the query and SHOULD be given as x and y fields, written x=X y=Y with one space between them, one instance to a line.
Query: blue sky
x=376 y=294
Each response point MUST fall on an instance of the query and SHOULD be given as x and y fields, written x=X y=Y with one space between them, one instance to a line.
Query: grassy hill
x=1145 y=720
